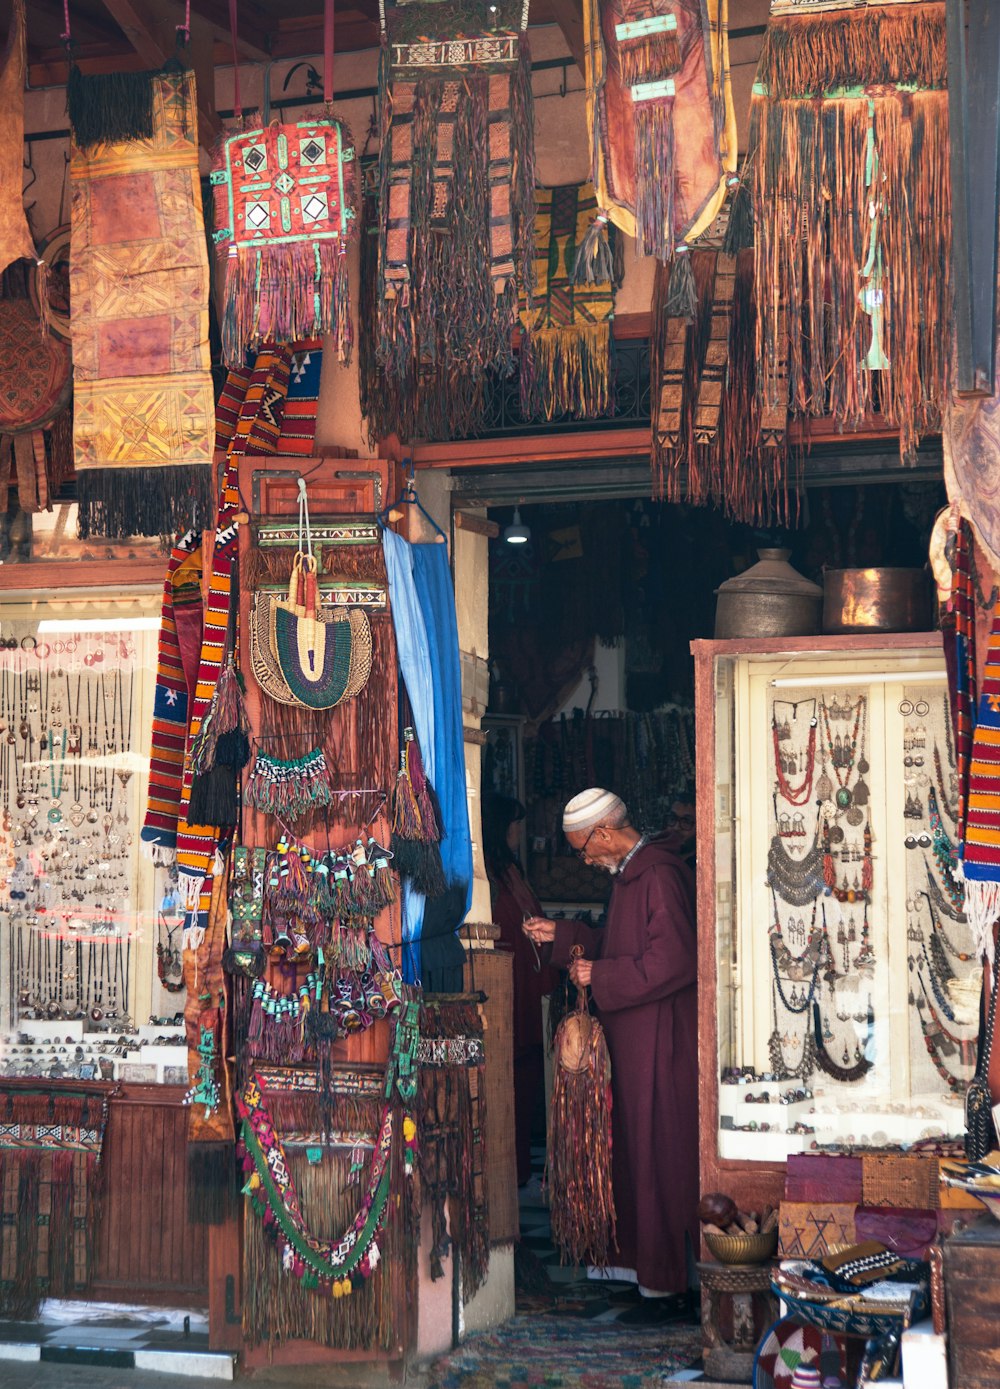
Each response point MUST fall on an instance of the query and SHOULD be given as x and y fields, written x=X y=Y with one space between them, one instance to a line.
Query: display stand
x=738 y=1296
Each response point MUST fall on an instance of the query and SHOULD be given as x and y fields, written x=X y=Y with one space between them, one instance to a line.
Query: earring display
x=867 y=952
x=72 y=924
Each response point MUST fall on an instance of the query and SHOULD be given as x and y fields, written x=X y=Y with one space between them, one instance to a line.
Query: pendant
x=824 y=788
x=54 y=815
x=92 y=817
x=854 y=816
x=43 y=742
x=863 y=768
x=861 y=793
x=844 y=797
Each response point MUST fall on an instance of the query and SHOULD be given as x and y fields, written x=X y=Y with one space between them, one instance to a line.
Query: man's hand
x=540 y=929
x=580 y=972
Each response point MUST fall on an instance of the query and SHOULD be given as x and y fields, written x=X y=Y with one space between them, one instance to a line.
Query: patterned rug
x=567 y=1354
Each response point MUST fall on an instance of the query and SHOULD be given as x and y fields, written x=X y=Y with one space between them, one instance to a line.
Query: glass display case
x=847 y=1000
x=90 y=931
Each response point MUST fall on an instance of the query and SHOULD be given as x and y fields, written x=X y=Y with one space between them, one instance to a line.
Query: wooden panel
x=492 y=972
x=148 y=1248
x=972 y=1289
x=337 y=486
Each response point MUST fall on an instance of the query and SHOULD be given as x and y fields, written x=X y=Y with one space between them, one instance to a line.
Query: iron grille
x=630 y=405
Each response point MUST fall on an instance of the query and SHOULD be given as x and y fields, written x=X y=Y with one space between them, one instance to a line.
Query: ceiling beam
x=568 y=14
x=253 y=36
x=151 y=28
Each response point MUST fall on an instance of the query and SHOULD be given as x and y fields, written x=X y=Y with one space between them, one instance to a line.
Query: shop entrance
x=593 y=604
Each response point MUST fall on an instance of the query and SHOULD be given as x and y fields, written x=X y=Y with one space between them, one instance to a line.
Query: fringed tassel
x=654 y=178
x=581 y=1200
x=682 y=295
x=115 y=503
x=214 y=799
x=813 y=334
x=804 y=56
x=650 y=58
x=566 y=371
x=223 y=737
x=20 y=1297
x=114 y=108
x=289 y=790
x=283 y=293
x=739 y=228
x=62 y=1263
x=594 y=263
x=982 y=908
x=420 y=864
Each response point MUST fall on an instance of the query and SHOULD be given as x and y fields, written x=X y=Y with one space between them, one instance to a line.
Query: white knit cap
x=591 y=807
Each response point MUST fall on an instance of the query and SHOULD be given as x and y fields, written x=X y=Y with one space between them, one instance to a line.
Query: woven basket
x=895 y=1179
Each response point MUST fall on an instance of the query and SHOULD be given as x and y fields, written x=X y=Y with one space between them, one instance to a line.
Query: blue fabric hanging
x=423 y=609
x=415 y=668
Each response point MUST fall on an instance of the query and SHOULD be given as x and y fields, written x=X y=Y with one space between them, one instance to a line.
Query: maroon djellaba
x=644 y=985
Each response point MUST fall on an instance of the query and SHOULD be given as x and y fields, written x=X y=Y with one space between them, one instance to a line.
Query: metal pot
x=876 y=600
x=770 y=599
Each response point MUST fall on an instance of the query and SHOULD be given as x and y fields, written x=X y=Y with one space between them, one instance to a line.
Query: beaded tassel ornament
x=221 y=748
x=415 y=823
x=289 y=789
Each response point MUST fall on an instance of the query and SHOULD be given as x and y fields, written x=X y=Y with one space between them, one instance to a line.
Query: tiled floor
x=115 y=1338
x=543 y=1284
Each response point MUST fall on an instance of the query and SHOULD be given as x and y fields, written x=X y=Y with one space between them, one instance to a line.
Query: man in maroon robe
x=641 y=968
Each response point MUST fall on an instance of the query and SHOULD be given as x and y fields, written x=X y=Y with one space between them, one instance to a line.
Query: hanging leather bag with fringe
x=581 y=1200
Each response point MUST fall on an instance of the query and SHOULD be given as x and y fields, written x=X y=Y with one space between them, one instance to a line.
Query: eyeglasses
x=688 y=821
x=582 y=851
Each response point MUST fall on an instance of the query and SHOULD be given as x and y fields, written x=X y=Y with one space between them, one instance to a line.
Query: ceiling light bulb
x=516 y=533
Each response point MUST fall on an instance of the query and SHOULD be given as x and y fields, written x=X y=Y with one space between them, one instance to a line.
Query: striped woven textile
x=566 y=329
x=250 y=412
x=981 y=852
x=964 y=604
x=298 y=423
x=196 y=844
x=170 y=705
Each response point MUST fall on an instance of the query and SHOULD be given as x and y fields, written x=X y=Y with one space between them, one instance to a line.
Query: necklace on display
x=842 y=752
x=941 y=1043
x=945 y=939
x=786 y=759
x=55 y=804
x=945 y=853
x=845 y=1073
x=796 y=881
x=779 y=1067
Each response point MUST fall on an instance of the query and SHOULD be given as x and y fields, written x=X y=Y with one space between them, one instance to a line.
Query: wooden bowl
x=743 y=1249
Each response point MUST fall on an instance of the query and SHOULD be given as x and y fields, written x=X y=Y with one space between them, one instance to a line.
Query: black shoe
x=655 y=1311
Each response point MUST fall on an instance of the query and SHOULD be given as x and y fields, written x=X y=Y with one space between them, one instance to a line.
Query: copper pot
x=770 y=599
x=876 y=600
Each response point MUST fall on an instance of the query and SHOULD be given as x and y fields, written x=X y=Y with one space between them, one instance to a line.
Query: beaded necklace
x=797 y=882
x=948 y=944
x=785 y=764
x=949 y=909
x=842 y=752
x=939 y=994
x=945 y=853
x=932 y=1032
x=776 y=1056
x=845 y=1073
x=782 y=960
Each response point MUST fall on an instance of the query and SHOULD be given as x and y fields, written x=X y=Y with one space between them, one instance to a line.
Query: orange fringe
x=812 y=232
x=808 y=55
